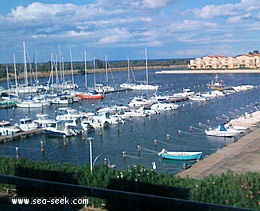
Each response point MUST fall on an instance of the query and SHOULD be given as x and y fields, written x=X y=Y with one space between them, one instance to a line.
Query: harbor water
x=170 y=129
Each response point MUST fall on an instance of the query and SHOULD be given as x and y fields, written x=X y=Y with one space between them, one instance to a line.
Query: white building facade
x=247 y=61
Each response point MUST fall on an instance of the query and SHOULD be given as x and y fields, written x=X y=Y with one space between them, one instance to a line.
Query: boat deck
x=239 y=157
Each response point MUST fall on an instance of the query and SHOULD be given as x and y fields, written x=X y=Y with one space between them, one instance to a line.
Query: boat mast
x=36 y=68
x=52 y=69
x=56 y=69
x=94 y=66
x=71 y=66
x=106 y=68
x=7 y=77
x=86 y=77
x=128 y=70
x=60 y=66
x=15 y=75
x=25 y=65
x=146 y=66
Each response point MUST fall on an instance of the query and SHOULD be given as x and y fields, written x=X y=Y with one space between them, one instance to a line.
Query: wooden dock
x=20 y=135
x=239 y=157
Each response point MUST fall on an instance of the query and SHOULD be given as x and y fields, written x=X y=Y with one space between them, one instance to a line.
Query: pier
x=20 y=135
x=239 y=157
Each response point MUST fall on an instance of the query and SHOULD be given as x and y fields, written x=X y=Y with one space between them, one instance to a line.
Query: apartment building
x=222 y=62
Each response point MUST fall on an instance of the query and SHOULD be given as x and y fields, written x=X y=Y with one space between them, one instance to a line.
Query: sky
x=122 y=29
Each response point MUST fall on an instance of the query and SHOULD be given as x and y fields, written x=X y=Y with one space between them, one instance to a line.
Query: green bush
x=241 y=190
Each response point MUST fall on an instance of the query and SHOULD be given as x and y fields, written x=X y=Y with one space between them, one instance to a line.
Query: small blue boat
x=180 y=155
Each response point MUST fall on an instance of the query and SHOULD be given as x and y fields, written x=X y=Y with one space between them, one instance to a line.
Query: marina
x=138 y=140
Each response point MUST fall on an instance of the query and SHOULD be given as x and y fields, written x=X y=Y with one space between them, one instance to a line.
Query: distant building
x=222 y=62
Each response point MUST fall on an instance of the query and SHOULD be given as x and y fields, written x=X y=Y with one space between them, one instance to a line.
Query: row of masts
x=57 y=75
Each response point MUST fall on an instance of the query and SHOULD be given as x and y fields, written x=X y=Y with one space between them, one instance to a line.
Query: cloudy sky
x=121 y=29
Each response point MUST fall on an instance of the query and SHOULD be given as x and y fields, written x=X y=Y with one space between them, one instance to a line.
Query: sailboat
x=146 y=85
x=128 y=84
x=105 y=88
x=89 y=95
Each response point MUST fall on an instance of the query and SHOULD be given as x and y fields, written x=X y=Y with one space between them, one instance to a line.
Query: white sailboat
x=146 y=85
x=26 y=88
x=128 y=84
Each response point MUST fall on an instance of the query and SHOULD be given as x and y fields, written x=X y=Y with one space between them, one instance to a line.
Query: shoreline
x=169 y=70
x=239 y=157
x=234 y=71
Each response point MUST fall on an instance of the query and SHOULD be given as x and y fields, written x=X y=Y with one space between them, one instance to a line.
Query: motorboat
x=247 y=120
x=86 y=126
x=27 y=124
x=197 y=97
x=7 y=129
x=112 y=109
x=180 y=155
x=138 y=102
x=66 y=113
x=94 y=122
x=164 y=106
x=243 y=88
x=61 y=100
x=217 y=84
x=43 y=120
x=149 y=111
x=108 y=116
x=59 y=128
x=132 y=113
x=222 y=131
x=156 y=98
x=185 y=93
x=212 y=94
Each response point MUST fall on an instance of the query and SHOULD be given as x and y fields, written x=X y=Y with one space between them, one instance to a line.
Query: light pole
x=90 y=139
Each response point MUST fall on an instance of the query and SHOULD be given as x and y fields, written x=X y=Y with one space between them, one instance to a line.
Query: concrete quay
x=239 y=157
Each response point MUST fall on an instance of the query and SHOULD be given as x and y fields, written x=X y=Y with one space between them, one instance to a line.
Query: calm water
x=142 y=132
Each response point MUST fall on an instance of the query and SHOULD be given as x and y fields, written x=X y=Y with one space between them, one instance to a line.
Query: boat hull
x=182 y=155
x=221 y=133
x=86 y=96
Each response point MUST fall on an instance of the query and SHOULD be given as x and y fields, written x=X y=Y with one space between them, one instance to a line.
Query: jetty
x=20 y=135
x=239 y=157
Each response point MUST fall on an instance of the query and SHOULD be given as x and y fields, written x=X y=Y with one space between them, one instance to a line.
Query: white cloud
x=238 y=18
x=155 y=4
x=132 y=23
x=211 y=11
x=115 y=35
x=67 y=34
x=191 y=25
x=138 y=4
